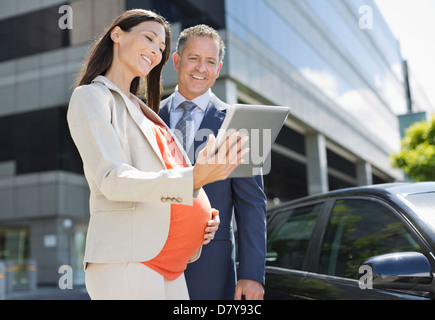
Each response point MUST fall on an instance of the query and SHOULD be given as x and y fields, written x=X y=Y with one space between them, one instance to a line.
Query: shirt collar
x=201 y=101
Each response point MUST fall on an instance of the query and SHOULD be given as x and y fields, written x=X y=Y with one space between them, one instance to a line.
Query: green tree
x=417 y=157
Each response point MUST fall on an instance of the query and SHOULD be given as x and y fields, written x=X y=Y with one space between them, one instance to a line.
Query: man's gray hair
x=200 y=30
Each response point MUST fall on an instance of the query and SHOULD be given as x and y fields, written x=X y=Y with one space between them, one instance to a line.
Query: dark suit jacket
x=213 y=275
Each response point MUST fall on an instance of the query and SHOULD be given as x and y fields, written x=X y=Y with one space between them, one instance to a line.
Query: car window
x=423 y=205
x=289 y=233
x=359 y=229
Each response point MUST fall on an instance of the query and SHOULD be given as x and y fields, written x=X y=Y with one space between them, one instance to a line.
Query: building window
x=39 y=141
x=14 y=247
x=32 y=33
x=189 y=13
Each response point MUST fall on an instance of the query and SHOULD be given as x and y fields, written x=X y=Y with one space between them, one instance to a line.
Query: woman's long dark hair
x=100 y=56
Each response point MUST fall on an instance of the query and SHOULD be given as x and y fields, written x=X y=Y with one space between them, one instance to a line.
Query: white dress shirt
x=197 y=114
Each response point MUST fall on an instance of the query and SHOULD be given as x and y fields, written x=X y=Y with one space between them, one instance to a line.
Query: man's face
x=198 y=67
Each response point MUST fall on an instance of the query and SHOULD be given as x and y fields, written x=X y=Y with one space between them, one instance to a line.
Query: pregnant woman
x=149 y=216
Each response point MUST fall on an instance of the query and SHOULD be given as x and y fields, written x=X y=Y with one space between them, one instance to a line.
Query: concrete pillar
x=364 y=173
x=32 y=274
x=317 y=163
x=2 y=280
x=9 y=275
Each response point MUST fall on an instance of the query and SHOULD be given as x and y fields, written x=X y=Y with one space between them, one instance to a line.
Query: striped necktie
x=184 y=128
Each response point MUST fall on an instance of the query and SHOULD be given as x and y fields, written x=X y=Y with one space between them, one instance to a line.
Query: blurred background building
x=335 y=62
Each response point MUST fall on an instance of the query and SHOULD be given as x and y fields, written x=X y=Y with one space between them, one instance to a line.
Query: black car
x=374 y=242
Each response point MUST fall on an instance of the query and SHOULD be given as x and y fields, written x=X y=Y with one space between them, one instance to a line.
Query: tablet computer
x=262 y=124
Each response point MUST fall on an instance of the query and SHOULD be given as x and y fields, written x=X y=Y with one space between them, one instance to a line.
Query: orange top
x=188 y=223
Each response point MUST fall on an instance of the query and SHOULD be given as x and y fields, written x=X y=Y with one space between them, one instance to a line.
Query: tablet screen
x=262 y=124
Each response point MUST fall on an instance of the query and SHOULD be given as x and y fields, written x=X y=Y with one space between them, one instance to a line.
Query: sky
x=413 y=24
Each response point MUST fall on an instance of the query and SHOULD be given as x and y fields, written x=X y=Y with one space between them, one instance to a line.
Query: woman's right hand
x=213 y=166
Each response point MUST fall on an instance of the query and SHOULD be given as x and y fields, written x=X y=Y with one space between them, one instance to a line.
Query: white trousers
x=131 y=281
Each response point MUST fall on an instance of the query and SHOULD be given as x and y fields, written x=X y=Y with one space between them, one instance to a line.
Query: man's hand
x=252 y=290
x=212 y=227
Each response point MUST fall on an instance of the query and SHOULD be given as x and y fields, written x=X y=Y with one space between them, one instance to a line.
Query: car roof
x=380 y=190
x=390 y=188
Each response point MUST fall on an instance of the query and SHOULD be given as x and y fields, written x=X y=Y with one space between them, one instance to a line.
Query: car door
x=357 y=229
x=290 y=230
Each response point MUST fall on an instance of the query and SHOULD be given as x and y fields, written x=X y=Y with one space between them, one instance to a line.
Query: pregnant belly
x=186 y=234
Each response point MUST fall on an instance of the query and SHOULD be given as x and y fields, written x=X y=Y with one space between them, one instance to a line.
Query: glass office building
x=334 y=62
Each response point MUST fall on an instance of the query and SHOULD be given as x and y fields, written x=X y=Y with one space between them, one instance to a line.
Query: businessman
x=198 y=60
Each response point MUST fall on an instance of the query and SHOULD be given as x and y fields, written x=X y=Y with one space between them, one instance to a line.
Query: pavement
x=50 y=293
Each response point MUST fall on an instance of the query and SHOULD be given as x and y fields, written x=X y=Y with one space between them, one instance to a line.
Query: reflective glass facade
x=38 y=141
x=344 y=82
x=32 y=33
x=186 y=12
x=360 y=70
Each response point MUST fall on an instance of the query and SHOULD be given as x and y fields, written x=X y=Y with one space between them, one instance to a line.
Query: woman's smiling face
x=140 y=49
x=198 y=66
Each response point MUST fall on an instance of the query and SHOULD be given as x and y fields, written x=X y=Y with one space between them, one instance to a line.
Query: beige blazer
x=130 y=190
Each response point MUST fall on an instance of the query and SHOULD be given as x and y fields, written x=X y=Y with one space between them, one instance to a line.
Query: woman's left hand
x=212 y=227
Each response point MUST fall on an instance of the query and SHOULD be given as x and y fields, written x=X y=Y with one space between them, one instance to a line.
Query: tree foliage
x=417 y=156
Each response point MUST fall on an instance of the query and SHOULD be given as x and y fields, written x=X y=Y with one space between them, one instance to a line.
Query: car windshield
x=424 y=205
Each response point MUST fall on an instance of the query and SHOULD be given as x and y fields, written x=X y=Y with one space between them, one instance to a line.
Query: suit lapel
x=214 y=116
x=164 y=110
x=138 y=117
x=165 y=107
x=147 y=131
x=211 y=123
